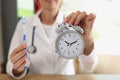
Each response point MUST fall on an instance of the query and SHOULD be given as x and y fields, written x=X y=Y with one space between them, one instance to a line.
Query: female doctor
x=45 y=60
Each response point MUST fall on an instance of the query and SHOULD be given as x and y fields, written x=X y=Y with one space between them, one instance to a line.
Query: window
x=107 y=24
x=25 y=8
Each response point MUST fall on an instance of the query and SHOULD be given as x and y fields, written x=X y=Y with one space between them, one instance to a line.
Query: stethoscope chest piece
x=31 y=49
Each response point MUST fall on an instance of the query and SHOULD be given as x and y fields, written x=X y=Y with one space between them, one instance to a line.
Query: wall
x=9 y=20
x=1 y=48
x=69 y=6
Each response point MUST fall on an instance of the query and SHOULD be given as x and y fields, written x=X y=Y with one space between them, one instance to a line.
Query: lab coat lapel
x=58 y=21
x=39 y=28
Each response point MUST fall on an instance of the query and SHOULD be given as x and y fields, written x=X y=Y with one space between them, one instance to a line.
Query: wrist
x=16 y=73
x=89 y=49
x=89 y=45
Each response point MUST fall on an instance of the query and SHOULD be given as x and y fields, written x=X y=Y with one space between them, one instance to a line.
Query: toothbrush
x=25 y=38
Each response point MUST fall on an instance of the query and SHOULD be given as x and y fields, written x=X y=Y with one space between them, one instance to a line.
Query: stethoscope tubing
x=32 y=48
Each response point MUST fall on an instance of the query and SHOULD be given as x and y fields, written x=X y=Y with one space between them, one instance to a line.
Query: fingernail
x=94 y=14
x=69 y=23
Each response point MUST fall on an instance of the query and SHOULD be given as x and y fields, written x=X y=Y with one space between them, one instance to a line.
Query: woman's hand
x=18 y=59
x=85 y=21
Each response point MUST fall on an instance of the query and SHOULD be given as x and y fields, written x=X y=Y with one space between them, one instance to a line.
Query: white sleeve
x=88 y=63
x=9 y=71
x=16 y=41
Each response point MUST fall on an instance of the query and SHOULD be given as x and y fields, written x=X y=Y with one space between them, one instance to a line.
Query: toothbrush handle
x=24 y=39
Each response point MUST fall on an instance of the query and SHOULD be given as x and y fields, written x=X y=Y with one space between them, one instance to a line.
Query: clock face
x=70 y=44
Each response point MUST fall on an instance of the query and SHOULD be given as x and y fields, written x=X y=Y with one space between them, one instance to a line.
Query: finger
x=18 y=56
x=73 y=18
x=18 y=49
x=81 y=17
x=91 y=16
x=22 y=67
x=67 y=19
x=19 y=63
x=89 y=21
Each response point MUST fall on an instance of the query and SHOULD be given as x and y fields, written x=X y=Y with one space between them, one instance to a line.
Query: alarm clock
x=69 y=42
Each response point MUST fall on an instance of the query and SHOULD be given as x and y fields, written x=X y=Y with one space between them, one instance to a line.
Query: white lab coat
x=45 y=60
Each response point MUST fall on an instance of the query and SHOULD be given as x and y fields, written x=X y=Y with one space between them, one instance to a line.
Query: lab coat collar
x=59 y=18
x=37 y=22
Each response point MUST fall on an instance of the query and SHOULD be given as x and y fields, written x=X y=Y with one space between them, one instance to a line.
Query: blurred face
x=50 y=4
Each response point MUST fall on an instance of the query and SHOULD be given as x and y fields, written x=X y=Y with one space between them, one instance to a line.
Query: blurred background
x=106 y=28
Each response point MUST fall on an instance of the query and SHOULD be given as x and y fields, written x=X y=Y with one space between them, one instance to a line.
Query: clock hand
x=73 y=42
x=67 y=43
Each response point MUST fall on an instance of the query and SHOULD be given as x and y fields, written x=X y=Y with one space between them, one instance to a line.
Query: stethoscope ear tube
x=32 y=49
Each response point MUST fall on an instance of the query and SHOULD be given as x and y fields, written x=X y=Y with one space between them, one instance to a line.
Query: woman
x=45 y=60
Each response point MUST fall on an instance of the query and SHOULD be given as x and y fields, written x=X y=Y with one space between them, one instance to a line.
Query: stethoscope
x=32 y=49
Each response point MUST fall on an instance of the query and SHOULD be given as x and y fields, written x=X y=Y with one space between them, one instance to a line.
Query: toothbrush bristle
x=23 y=20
